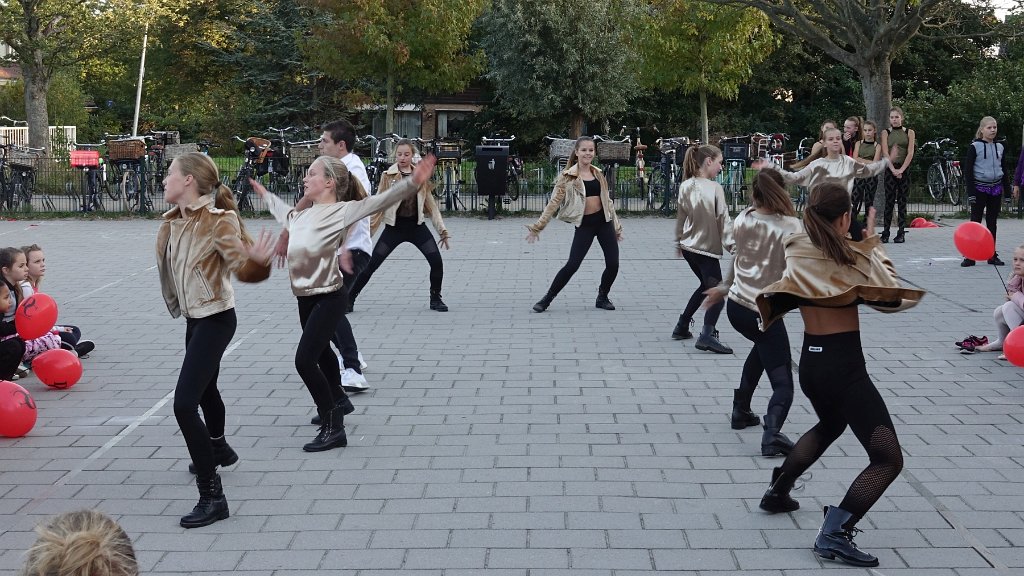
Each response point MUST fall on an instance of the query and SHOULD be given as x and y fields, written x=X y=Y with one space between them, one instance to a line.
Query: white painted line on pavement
x=105 y=286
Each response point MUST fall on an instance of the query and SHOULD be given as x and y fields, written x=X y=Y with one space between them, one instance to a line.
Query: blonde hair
x=984 y=121
x=770 y=193
x=81 y=543
x=695 y=157
x=409 y=143
x=859 y=122
x=572 y=156
x=207 y=177
x=827 y=202
x=346 y=188
x=28 y=250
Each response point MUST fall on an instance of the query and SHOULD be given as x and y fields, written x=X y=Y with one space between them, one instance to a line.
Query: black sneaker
x=995 y=261
x=67 y=346
x=966 y=263
x=84 y=347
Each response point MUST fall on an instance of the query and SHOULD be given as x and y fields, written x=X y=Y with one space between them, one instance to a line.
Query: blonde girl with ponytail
x=201 y=242
x=81 y=543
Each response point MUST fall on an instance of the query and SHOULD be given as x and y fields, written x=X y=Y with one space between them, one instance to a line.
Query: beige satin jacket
x=703 y=225
x=569 y=182
x=760 y=256
x=196 y=252
x=425 y=205
x=811 y=278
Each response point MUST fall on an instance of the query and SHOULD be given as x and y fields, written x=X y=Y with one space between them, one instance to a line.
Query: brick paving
x=575 y=442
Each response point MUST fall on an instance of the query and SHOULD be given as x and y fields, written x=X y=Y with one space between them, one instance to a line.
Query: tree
x=394 y=44
x=701 y=48
x=866 y=36
x=568 y=58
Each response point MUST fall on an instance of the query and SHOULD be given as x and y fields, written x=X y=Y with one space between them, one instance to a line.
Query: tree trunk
x=876 y=80
x=704 y=116
x=389 y=114
x=36 y=86
x=576 y=125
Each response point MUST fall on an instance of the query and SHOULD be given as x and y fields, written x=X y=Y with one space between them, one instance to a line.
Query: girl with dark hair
x=581 y=198
x=827 y=277
x=898 y=143
x=315 y=234
x=199 y=244
x=703 y=234
x=13 y=269
x=758 y=261
x=404 y=222
x=987 y=179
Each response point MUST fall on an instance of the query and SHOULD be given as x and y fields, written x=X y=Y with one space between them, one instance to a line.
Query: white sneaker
x=353 y=381
x=362 y=363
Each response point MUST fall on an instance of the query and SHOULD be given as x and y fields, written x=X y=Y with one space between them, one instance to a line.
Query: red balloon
x=918 y=222
x=1013 y=346
x=17 y=410
x=974 y=241
x=58 y=368
x=35 y=316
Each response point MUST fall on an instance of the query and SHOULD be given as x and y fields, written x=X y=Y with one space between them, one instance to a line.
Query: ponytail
x=828 y=201
x=82 y=543
x=224 y=199
x=770 y=193
x=695 y=157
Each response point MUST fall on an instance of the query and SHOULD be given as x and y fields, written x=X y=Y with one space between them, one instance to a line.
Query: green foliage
x=549 y=59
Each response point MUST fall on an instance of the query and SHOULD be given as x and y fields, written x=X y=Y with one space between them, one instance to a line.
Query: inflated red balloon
x=1013 y=346
x=35 y=316
x=974 y=241
x=58 y=368
x=918 y=222
x=17 y=410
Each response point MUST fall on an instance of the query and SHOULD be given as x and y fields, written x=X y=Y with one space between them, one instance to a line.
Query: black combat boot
x=212 y=506
x=777 y=499
x=223 y=455
x=835 y=539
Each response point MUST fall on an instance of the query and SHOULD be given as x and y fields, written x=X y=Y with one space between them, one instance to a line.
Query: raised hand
x=281 y=250
x=259 y=188
x=424 y=169
x=532 y=237
x=262 y=250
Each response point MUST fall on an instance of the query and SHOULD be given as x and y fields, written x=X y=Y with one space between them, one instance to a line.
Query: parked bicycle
x=19 y=187
x=611 y=153
x=254 y=164
x=93 y=178
x=803 y=150
x=664 y=182
x=381 y=152
x=127 y=157
x=735 y=154
x=278 y=163
x=157 y=158
x=448 y=173
x=638 y=163
x=944 y=176
x=301 y=156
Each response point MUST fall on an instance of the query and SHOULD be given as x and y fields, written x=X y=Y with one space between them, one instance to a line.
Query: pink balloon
x=974 y=241
x=17 y=410
x=35 y=316
x=1013 y=346
x=59 y=368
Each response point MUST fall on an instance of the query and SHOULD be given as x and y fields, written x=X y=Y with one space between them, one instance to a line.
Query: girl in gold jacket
x=581 y=198
x=404 y=222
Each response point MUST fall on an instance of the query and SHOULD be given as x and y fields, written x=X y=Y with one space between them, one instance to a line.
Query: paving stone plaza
x=578 y=442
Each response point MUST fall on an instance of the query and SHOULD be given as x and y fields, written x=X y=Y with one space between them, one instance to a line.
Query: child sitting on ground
x=70 y=336
x=1008 y=315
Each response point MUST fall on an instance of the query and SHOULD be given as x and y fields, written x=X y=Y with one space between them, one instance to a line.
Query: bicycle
x=302 y=155
x=514 y=170
x=254 y=164
x=803 y=150
x=21 y=164
x=86 y=157
x=611 y=152
x=944 y=176
x=665 y=177
x=382 y=155
x=278 y=162
x=127 y=155
x=639 y=166
x=449 y=170
x=736 y=153
x=157 y=157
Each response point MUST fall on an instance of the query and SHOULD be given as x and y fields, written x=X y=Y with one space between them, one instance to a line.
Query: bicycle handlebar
x=489 y=139
x=279 y=130
x=600 y=138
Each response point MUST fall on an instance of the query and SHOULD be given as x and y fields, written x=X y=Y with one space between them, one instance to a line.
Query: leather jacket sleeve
x=557 y=196
x=430 y=208
x=228 y=243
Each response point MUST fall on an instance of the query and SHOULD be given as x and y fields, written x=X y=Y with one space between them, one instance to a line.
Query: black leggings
x=864 y=194
x=11 y=352
x=770 y=354
x=834 y=378
x=205 y=342
x=316 y=363
x=986 y=205
x=344 y=338
x=593 y=226
x=896 y=191
x=404 y=230
x=709 y=273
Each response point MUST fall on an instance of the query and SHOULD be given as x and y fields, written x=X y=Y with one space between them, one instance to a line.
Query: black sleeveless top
x=592 y=187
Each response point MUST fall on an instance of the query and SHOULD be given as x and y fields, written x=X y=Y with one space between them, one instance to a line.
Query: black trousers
x=404 y=230
x=593 y=226
x=11 y=352
x=709 y=273
x=864 y=194
x=834 y=378
x=896 y=192
x=205 y=342
x=344 y=338
x=770 y=354
x=985 y=206
x=316 y=363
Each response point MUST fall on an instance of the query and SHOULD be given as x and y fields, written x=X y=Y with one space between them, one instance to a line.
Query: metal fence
x=57 y=187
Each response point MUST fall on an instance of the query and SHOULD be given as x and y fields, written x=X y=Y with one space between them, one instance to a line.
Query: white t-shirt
x=359 y=234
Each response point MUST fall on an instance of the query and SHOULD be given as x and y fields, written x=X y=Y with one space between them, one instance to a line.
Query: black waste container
x=491 y=170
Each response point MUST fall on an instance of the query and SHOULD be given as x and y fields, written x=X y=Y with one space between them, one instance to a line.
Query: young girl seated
x=71 y=336
x=1007 y=315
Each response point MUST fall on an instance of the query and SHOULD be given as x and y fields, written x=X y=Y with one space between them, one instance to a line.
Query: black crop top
x=593 y=187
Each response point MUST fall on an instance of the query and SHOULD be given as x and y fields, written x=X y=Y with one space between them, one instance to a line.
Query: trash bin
x=491 y=170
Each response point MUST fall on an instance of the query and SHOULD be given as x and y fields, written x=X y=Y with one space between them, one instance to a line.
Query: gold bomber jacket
x=703 y=225
x=570 y=183
x=196 y=252
x=425 y=204
x=760 y=257
x=813 y=279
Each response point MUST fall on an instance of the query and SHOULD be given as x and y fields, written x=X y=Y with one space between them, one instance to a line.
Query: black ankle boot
x=345 y=405
x=900 y=237
x=885 y=236
x=708 y=341
x=603 y=302
x=742 y=417
x=773 y=441
x=332 y=432
x=544 y=302
x=212 y=506
x=436 y=303
x=835 y=539
x=776 y=499
x=682 y=329
x=223 y=455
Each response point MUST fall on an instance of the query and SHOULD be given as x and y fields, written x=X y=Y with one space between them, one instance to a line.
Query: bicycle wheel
x=111 y=185
x=956 y=185
x=449 y=188
x=666 y=207
x=130 y=189
x=936 y=182
x=243 y=194
x=654 y=192
x=512 y=186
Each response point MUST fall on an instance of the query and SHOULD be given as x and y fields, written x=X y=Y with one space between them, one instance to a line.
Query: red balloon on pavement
x=17 y=410
x=35 y=316
x=59 y=368
x=974 y=241
x=1013 y=346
